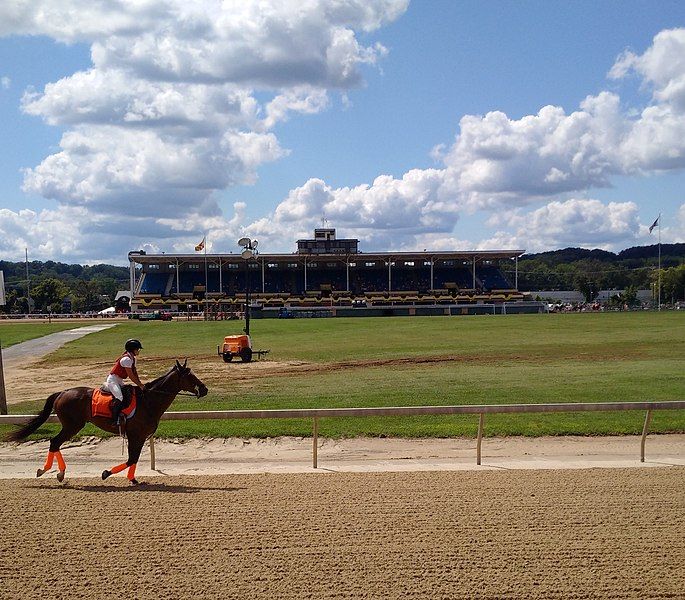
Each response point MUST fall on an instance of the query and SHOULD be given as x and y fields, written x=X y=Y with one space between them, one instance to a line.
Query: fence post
x=3 y=395
x=481 y=418
x=315 y=443
x=645 y=428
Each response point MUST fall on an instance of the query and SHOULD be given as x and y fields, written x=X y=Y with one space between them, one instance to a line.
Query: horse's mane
x=151 y=385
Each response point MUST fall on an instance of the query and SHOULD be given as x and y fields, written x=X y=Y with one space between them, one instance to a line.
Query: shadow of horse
x=141 y=487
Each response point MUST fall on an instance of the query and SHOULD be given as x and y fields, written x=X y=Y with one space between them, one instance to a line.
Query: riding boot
x=117 y=406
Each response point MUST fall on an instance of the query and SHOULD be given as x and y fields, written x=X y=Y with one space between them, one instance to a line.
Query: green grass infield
x=414 y=361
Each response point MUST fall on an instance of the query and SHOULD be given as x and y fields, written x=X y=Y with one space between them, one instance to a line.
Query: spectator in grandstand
x=124 y=368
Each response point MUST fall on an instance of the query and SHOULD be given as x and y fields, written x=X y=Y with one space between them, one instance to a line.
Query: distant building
x=324 y=242
x=122 y=301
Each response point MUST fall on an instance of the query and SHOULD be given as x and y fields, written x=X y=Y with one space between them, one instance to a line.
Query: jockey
x=124 y=368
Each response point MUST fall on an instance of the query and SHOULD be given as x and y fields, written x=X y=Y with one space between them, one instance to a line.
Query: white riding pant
x=113 y=384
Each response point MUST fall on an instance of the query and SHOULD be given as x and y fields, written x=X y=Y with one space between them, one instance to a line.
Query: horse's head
x=188 y=381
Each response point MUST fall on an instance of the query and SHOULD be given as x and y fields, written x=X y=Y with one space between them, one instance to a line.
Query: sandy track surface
x=497 y=534
x=87 y=457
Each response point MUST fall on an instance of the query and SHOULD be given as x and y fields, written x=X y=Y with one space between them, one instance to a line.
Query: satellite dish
x=247 y=254
x=244 y=242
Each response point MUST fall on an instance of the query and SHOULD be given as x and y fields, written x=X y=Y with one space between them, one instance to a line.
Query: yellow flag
x=200 y=246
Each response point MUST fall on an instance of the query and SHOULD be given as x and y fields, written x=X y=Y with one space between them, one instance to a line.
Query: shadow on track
x=142 y=487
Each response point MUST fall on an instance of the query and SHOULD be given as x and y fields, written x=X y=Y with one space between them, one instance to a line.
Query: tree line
x=589 y=271
x=58 y=287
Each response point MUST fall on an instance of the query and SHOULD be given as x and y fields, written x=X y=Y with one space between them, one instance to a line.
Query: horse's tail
x=23 y=432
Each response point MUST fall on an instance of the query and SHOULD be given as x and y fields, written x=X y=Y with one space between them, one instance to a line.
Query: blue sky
x=408 y=125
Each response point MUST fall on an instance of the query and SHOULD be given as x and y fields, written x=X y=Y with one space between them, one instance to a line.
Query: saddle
x=102 y=402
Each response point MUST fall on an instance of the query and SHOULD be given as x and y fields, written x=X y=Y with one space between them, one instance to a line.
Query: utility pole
x=659 y=219
x=28 y=289
x=249 y=252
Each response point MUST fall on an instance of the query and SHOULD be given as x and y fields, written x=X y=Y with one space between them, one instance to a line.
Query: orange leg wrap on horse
x=132 y=472
x=60 y=461
x=48 y=461
x=118 y=468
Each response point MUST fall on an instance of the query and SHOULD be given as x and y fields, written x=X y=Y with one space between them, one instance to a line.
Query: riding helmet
x=132 y=345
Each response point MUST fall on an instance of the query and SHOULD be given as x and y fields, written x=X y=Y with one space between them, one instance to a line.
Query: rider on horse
x=124 y=368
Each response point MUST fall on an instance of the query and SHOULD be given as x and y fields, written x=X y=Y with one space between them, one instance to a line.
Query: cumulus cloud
x=79 y=20
x=5 y=83
x=182 y=100
x=413 y=204
x=113 y=97
x=88 y=238
x=662 y=67
x=48 y=233
x=502 y=165
x=168 y=114
x=272 y=44
x=115 y=170
x=574 y=222
x=672 y=230
x=496 y=160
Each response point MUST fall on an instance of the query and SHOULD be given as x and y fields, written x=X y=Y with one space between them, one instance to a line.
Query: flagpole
x=659 y=261
x=206 y=281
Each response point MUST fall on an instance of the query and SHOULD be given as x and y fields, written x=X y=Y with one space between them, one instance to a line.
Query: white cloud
x=79 y=20
x=662 y=67
x=88 y=238
x=273 y=44
x=413 y=203
x=672 y=230
x=113 y=97
x=115 y=170
x=303 y=100
x=575 y=222
x=501 y=165
x=168 y=115
x=46 y=233
x=498 y=161
x=5 y=83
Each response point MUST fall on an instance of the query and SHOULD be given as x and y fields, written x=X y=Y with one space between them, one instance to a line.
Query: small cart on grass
x=239 y=346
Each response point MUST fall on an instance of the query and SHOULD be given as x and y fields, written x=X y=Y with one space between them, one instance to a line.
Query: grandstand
x=323 y=272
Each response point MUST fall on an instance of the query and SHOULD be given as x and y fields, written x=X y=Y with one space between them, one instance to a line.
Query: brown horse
x=74 y=409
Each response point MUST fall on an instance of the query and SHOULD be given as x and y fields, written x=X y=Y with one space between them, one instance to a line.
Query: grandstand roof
x=143 y=258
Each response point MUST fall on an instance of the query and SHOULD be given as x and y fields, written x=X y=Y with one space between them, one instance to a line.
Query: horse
x=74 y=409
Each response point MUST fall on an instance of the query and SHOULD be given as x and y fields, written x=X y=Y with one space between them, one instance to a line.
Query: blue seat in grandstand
x=492 y=278
x=154 y=283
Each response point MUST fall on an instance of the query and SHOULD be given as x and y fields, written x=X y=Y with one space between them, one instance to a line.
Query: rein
x=179 y=393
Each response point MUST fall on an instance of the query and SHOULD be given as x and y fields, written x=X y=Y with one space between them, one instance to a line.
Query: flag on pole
x=201 y=245
x=652 y=226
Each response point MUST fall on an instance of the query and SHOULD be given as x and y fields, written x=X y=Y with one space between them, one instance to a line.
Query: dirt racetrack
x=596 y=533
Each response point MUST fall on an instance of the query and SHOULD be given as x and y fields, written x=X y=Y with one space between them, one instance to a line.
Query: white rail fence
x=408 y=411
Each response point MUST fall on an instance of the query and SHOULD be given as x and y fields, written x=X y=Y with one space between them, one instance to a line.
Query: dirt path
x=595 y=534
x=27 y=379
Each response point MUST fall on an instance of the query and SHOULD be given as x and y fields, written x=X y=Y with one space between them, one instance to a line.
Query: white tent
x=107 y=311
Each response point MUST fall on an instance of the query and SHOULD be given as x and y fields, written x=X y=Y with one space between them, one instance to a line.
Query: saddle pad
x=101 y=403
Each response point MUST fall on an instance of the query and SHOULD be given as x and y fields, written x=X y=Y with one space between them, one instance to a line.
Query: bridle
x=179 y=393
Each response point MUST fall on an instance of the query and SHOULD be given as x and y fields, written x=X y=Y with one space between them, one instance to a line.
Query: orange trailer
x=238 y=345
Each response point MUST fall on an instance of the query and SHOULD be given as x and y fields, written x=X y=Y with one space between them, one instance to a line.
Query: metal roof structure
x=466 y=255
